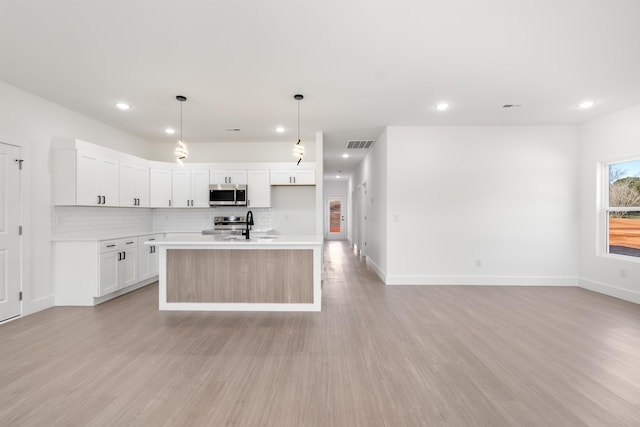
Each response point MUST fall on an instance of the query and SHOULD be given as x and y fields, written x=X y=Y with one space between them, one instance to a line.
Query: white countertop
x=221 y=240
x=99 y=237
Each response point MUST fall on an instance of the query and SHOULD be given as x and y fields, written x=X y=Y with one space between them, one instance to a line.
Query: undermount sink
x=234 y=238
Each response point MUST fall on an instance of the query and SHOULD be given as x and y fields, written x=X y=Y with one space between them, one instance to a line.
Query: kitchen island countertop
x=219 y=273
x=186 y=239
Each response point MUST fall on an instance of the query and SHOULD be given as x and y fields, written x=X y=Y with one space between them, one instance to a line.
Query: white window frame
x=606 y=209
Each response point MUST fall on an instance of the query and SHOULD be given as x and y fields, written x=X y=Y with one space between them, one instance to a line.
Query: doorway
x=335 y=210
x=9 y=231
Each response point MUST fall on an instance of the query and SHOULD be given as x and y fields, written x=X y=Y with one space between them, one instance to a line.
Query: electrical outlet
x=623 y=273
x=478 y=262
x=396 y=218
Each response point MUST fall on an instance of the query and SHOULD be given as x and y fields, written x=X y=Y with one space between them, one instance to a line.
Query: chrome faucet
x=249 y=224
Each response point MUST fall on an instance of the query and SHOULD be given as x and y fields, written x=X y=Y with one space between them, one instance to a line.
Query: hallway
x=375 y=356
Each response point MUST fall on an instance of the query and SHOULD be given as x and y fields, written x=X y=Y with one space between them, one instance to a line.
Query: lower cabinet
x=147 y=257
x=118 y=265
x=88 y=272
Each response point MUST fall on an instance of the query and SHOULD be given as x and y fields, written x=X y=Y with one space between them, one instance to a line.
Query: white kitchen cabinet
x=134 y=185
x=84 y=178
x=128 y=264
x=258 y=189
x=108 y=279
x=200 y=188
x=88 y=272
x=160 y=188
x=147 y=257
x=228 y=176
x=293 y=177
x=118 y=265
x=181 y=188
x=190 y=188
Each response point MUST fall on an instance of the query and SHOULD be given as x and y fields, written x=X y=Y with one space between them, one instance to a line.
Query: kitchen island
x=219 y=273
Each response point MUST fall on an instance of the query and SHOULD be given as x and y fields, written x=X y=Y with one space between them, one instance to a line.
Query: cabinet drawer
x=108 y=246
x=118 y=244
x=145 y=238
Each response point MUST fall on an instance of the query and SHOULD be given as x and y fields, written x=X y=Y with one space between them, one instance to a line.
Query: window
x=623 y=208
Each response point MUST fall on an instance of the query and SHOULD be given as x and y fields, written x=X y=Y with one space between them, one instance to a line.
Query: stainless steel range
x=228 y=225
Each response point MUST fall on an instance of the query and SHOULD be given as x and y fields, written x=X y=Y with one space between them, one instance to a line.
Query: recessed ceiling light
x=337 y=176
x=279 y=129
x=233 y=129
x=586 y=104
x=345 y=155
x=170 y=131
x=123 y=106
x=443 y=106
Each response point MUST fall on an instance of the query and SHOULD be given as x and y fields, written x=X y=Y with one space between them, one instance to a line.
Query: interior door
x=335 y=222
x=9 y=235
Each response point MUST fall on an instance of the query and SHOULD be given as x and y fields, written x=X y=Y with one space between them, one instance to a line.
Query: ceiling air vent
x=359 y=144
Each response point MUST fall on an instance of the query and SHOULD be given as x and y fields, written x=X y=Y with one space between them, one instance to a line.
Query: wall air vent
x=359 y=144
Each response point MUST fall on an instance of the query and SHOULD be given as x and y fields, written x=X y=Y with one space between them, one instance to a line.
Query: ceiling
x=361 y=65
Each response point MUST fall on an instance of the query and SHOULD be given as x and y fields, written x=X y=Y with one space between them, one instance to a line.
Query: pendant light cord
x=298 y=123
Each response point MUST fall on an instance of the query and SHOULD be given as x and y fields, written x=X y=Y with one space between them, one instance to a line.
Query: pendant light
x=298 y=149
x=181 y=151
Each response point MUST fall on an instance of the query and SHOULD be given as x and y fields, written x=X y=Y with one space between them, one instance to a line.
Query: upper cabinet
x=190 y=188
x=230 y=176
x=160 y=188
x=258 y=189
x=134 y=185
x=86 y=174
x=85 y=178
x=293 y=177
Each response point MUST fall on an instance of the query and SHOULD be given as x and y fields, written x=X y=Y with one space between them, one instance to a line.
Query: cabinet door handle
x=104 y=200
x=150 y=249
x=110 y=246
x=130 y=243
x=169 y=202
x=99 y=199
x=294 y=179
x=154 y=249
x=119 y=256
x=124 y=255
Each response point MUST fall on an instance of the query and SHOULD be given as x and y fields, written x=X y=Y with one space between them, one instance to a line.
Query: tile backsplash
x=201 y=219
x=88 y=221
x=81 y=221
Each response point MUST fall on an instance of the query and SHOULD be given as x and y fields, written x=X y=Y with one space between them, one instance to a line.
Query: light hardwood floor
x=374 y=356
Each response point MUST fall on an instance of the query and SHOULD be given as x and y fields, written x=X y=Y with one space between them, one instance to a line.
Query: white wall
x=615 y=136
x=372 y=171
x=31 y=123
x=482 y=205
x=293 y=210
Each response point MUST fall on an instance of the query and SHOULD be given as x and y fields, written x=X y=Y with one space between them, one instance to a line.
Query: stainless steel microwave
x=228 y=195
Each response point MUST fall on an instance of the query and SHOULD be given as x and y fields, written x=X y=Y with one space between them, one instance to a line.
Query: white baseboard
x=482 y=280
x=100 y=300
x=604 y=288
x=379 y=271
x=38 y=305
